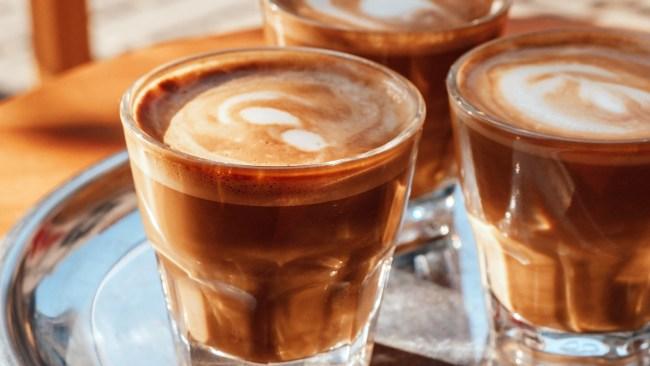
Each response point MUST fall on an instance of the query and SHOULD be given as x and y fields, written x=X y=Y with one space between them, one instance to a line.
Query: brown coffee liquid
x=262 y=262
x=559 y=198
x=418 y=38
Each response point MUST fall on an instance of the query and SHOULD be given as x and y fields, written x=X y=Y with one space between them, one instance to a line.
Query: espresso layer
x=582 y=90
x=389 y=15
x=272 y=284
x=295 y=112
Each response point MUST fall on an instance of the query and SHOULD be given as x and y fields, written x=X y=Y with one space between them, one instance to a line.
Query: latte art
x=283 y=117
x=575 y=97
x=391 y=14
x=580 y=92
x=229 y=112
x=255 y=115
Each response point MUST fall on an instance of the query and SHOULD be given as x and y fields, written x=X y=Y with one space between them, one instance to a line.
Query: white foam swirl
x=257 y=115
x=326 y=7
x=234 y=110
x=377 y=14
x=573 y=97
x=269 y=116
x=304 y=140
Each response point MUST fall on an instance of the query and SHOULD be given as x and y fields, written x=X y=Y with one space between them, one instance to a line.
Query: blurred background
x=117 y=26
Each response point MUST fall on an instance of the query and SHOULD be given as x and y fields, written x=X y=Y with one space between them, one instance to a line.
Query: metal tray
x=79 y=287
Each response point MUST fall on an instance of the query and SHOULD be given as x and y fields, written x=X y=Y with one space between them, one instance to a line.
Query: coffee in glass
x=553 y=137
x=271 y=184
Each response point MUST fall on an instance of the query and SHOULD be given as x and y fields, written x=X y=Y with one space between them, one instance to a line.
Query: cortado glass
x=420 y=39
x=272 y=183
x=552 y=132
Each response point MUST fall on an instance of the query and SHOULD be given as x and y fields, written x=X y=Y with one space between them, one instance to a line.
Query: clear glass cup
x=289 y=266
x=424 y=57
x=561 y=225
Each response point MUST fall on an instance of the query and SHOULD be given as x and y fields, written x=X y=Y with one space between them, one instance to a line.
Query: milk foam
x=304 y=140
x=286 y=117
x=256 y=115
x=391 y=14
x=528 y=89
x=578 y=93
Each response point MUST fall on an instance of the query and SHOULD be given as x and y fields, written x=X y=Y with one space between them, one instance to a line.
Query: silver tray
x=79 y=287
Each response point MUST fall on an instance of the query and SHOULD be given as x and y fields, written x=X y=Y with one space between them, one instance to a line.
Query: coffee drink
x=272 y=184
x=418 y=38
x=553 y=135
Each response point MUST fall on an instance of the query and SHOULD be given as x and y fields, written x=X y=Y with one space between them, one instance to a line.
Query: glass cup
x=561 y=223
x=272 y=264
x=423 y=56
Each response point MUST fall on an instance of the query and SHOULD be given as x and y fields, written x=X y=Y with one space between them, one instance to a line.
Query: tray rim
x=13 y=246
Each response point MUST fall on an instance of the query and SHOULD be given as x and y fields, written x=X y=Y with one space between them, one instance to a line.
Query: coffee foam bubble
x=391 y=14
x=576 y=91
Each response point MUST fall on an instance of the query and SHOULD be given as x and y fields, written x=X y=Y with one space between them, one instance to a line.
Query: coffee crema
x=295 y=113
x=390 y=15
x=584 y=91
x=553 y=136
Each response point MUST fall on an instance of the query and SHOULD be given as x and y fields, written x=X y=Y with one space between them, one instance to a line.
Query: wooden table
x=59 y=128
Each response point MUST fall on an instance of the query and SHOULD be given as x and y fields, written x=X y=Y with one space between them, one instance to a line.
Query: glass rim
x=456 y=96
x=477 y=22
x=130 y=97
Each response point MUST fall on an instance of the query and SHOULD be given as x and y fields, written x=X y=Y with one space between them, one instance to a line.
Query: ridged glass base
x=357 y=353
x=515 y=342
